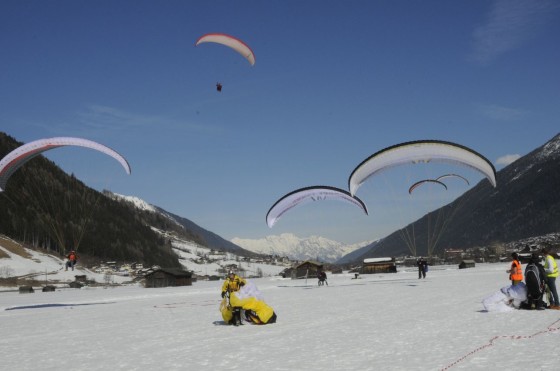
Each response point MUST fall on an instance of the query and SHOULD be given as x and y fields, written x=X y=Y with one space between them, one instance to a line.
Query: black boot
x=236 y=316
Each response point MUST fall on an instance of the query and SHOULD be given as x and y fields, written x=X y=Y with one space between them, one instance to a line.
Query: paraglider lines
x=549 y=329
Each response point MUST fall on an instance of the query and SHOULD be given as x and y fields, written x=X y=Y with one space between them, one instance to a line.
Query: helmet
x=230 y=272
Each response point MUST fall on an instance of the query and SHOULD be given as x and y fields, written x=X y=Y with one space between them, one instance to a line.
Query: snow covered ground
x=190 y=256
x=377 y=322
x=48 y=268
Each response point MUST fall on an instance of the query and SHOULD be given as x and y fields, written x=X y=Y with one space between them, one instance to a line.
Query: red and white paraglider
x=19 y=156
x=229 y=41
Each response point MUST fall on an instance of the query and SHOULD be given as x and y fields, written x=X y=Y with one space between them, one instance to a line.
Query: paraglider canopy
x=308 y=194
x=19 y=156
x=229 y=41
x=439 y=178
x=419 y=183
x=417 y=152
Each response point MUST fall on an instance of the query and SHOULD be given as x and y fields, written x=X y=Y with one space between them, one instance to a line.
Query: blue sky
x=334 y=82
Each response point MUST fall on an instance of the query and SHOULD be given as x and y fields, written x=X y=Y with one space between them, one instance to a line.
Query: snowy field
x=49 y=268
x=378 y=322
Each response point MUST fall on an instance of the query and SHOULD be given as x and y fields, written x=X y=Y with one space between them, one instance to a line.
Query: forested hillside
x=44 y=207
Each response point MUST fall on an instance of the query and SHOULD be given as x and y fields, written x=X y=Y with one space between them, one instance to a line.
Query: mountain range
x=295 y=248
x=525 y=204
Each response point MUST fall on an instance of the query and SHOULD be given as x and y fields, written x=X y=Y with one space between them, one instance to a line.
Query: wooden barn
x=307 y=269
x=466 y=264
x=379 y=265
x=165 y=277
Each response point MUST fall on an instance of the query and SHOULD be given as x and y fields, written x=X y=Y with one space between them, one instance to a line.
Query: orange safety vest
x=518 y=274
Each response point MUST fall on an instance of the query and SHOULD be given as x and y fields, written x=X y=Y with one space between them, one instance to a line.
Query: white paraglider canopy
x=308 y=194
x=417 y=152
x=19 y=156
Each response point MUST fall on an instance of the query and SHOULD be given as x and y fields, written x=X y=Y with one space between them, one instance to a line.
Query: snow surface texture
x=377 y=322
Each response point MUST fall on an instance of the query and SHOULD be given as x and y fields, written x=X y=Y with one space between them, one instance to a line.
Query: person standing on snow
x=422 y=267
x=72 y=260
x=322 y=277
x=551 y=269
x=232 y=284
x=515 y=272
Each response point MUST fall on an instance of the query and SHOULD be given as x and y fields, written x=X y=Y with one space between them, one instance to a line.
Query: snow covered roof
x=377 y=260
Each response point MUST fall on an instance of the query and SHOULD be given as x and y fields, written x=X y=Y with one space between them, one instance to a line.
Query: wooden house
x=307 y=269
x=165 y=277
x=379 y=265
x=466 y=264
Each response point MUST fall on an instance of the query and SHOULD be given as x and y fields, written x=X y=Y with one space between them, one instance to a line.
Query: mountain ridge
x=525 y=204
x=296 y=248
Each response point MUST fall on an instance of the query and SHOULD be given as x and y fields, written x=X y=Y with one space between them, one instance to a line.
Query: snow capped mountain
x=137 y=202
x=289 y=245
x=295 y=248
x=549 y=151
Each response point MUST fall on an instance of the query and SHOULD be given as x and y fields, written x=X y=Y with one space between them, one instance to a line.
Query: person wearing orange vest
x=515 y=272
x=551 y=269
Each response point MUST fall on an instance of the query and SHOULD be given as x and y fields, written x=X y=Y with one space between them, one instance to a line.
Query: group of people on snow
x=242 y=300
x=538 y=279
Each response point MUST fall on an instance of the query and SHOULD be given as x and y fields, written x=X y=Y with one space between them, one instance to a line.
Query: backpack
x=534 y=281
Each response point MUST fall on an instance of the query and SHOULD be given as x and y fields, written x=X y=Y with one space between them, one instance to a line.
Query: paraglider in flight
x=219 y=87
x=417 y=152
x=307 y=194
x=230 y=41
x=418 y=184
x=451 y=176
x=19 y=156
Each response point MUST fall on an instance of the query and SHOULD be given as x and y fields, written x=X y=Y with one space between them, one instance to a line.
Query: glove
x=223 y=294
x=241 y=284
